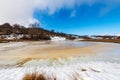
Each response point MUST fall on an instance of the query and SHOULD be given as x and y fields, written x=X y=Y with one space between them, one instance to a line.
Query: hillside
x=17 y=32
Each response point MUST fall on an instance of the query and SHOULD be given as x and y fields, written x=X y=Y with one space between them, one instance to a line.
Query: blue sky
x=98 y=18
x=83 y=17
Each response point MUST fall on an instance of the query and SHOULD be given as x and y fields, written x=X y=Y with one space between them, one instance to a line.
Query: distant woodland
x=30 y=33
x=17 y=32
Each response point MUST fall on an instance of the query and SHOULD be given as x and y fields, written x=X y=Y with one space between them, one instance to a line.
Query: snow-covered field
x=63 y=69
x=105 y=66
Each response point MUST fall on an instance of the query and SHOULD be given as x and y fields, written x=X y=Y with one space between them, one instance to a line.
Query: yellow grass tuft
x=34 y=76
x=23 y=61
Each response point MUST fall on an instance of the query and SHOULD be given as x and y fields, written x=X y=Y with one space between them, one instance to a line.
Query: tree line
x=31 y=33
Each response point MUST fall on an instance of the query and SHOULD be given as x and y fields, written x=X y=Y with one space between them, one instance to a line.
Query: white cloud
x=16 y=11
x=21 y=11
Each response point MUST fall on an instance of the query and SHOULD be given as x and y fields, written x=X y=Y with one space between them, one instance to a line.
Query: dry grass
x=4 y=41
x=34 y=76
x=83 y=69
x=13 y=40
x=22 y=62
x=104 y=40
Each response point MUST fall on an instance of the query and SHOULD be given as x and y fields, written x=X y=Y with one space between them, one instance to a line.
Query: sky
x=82 y=17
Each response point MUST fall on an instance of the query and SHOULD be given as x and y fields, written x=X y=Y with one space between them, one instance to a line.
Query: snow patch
x=58 y=38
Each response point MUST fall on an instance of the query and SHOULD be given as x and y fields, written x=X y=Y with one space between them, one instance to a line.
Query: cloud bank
x=21 y=11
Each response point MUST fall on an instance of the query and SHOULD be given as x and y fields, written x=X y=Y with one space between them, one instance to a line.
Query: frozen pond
x=112 y=55
x=104 y=64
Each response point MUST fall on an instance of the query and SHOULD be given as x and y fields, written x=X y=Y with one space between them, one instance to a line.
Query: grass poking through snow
x=34 y=76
